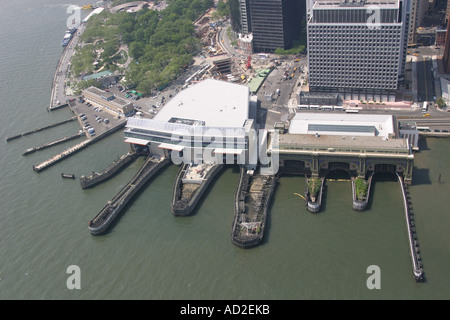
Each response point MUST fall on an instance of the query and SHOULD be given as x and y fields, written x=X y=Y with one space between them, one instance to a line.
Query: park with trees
x=158 y=45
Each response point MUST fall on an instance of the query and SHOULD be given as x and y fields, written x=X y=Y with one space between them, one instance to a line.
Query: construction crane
x=249 y=59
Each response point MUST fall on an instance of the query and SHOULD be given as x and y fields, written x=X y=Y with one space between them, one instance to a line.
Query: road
x=425 y=80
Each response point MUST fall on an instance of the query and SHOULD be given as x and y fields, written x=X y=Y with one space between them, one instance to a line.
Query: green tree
x=440 y=102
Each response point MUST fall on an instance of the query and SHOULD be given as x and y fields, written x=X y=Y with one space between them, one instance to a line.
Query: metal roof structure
x=169 y=128
x=217 y=103
x=343 y=123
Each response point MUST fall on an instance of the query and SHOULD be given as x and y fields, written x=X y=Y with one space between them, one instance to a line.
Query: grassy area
x=160 y=43
x=314 y=186
x=361 y=187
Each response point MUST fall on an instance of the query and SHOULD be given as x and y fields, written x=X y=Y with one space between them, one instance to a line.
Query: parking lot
x=91 y=117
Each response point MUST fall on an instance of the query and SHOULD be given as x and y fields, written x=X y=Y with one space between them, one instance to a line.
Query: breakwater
x=416 y=259
x=102 y=221
x=252 y=201
x=76 y=148
x=17 y=136
x=99 y=177
x=51 y=144
x=190 y=186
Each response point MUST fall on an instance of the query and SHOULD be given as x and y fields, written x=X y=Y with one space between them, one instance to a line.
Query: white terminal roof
x=342 y=124
x=217 y=103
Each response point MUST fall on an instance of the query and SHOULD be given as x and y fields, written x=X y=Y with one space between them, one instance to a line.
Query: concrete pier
x=76 y=148
x=313 y=204
x=190 y=184
x=40 y=129
x=358 y=204
x=51 y=144
x=59 y=106
x=99 y=177
x=102 y=221
x=251 y=207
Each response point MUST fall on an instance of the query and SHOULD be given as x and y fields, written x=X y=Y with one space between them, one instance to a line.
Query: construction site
x=239 y=67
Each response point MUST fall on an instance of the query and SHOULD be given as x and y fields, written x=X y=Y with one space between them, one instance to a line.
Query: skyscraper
x=446 y=55
x=275 y=23
x=418 y=10
x=357 y=47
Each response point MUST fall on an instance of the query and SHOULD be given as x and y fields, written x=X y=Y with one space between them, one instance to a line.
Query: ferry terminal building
x=314 y=144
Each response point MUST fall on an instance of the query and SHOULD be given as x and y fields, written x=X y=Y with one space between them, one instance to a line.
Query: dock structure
x=252 y=201
x=313 y=197
x=102 y=221
x=419 y=275
x=17 y=136
x=51 y=144
x=61 y=156
x=76 y=148
x=361 y=204
x=191 y=183
x=57 y=107
x=98 y=177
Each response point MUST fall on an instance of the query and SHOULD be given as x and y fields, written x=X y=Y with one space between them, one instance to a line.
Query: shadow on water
x=332 y=175
x=423 y=146
x=379 y=177
x=421 y=176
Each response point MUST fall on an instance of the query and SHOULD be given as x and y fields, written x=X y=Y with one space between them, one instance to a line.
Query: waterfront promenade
x=59 y=81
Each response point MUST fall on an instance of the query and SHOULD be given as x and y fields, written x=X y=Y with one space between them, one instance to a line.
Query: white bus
x=351 y=111
x=328 y=108
x=303 y=107
x=425 y=107
x=339 y=108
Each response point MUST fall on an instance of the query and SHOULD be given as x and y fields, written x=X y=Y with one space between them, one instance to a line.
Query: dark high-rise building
x=274 y=23
x=446 y=55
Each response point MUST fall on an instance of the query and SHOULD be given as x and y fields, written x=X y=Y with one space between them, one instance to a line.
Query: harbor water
x=149 y=253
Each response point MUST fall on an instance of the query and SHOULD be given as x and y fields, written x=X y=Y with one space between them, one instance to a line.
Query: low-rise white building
x=374 y=125
x=208 y=122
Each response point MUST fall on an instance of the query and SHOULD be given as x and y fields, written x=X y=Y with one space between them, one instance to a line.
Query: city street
x=425 y=80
